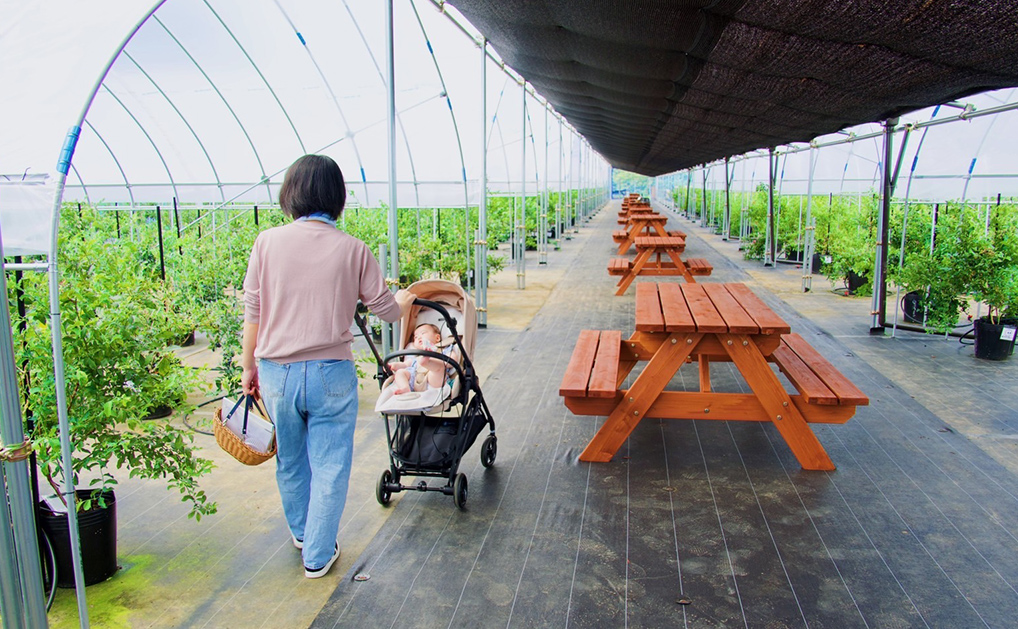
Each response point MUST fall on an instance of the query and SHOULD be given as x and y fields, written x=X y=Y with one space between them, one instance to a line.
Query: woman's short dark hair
x=313 y=185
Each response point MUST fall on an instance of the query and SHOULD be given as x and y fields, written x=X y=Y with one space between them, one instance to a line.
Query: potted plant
x=991 y=272
x=117 y=369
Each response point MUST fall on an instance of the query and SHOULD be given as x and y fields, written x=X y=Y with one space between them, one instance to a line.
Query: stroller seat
x=428 y=401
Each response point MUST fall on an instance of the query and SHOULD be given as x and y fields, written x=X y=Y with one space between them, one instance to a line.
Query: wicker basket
x=235 y=447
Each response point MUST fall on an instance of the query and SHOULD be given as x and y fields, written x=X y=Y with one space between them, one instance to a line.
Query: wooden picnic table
x=651 y=254
x=676 y=324
x=639 y=224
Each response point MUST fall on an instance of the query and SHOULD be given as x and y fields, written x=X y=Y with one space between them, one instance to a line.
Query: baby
x=412 y=375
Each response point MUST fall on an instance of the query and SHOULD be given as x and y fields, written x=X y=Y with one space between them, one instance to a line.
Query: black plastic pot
x=97 y=531
x=912 y=307
x=855 y=281
x=994 y=341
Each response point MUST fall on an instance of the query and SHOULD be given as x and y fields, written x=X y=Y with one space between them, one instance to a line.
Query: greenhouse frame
x=862 y=144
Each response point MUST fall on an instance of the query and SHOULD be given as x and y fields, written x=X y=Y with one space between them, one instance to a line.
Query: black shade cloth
x=660 y=85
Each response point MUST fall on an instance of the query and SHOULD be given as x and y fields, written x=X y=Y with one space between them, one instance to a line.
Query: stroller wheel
x=382 y=491
x=459 y=491
x=488 y=451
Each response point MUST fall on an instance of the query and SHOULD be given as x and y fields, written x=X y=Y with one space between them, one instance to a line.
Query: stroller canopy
x=451 y=295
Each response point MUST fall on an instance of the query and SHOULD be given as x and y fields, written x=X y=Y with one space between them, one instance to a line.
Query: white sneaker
x=297 y=543
x=321 y=572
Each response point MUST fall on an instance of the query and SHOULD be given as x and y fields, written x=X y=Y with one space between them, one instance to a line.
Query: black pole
x=116 y=214
x=726 y=222
x=256 y=215
x=770 y=238
x=176 y=220
x=689 y=181
x=159 y=228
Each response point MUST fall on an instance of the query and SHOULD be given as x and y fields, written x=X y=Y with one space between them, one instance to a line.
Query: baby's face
x=423 y=337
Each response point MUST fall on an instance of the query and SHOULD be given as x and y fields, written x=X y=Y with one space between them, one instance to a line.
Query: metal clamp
x=13 y=454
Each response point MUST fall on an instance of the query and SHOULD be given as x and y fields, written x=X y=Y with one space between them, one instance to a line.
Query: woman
x=300 y=295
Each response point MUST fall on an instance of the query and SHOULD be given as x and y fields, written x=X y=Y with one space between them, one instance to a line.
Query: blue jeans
x=314 y=406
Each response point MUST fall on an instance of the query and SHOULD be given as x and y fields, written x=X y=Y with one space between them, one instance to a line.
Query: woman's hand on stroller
x=405 y=299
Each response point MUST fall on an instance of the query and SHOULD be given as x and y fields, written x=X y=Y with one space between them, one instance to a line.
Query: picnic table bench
x=651 y=254
x=676 y=324
x=642 y=224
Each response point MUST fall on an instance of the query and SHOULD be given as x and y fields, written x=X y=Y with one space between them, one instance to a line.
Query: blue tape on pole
x=915 y=160
x=67 y=152
x=430 y=49
x=464 y=174
x=972 y=166
x=448 y=101
x=301 y=38
x=364 y=177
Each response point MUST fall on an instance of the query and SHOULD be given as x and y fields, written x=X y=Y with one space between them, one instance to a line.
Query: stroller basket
x=432 y=443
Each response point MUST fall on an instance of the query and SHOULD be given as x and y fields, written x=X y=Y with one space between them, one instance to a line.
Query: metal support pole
x=689 y=182
x=482 y=206
x=879 y=303
x=521 y=224
x=20 y=572
x=726 y=224
x=770 y=242
x=810 y=229
x=703 y=200
x=390 y=66
x=561 y=191
x=542 y=227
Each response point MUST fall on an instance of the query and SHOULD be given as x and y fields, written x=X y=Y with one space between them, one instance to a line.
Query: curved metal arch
x=533 y=144
x=332 y=94
x=260 y=75
x=456 y=130
x=222 y=97
x=141 y=127
x=399 y=119
x=127 y=182
x=495 y=123
x=183 y=119
x=975 y=155
x=81 y=182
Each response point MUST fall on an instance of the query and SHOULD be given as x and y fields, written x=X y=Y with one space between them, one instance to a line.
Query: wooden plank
x=676 y=312
x=603 y=376
x=836 y=381
x=661 y=243
x=699 y=266
x=802 y=377
x=784 y=415
x=704 y=364
x=704 y=313
x=767 y=319
x=574 y=381
x=649 y=317
x=738 y=320
x=633 y=407
x=714 y=406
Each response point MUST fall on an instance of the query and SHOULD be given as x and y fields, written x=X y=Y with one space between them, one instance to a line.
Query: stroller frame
x=411 y=426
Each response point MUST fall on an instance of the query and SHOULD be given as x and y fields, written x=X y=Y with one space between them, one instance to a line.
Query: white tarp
x=26 y=215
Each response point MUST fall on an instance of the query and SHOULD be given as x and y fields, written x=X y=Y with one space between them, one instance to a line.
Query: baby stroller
x=429 y=431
